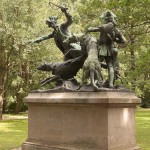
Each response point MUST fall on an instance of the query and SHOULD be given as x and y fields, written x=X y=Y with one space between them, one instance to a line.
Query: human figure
x=109 y=36
x=61 y=33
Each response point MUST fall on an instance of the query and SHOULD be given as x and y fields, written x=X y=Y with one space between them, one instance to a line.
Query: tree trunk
x=2 y=52
x=18 y=104
x=133 y=67
x=25 y=72
x=1 y=107
x=132 y=60
x=17 y=108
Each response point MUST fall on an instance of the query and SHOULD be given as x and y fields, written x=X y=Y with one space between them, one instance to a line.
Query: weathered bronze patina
x=84 y=52
x=109 y=36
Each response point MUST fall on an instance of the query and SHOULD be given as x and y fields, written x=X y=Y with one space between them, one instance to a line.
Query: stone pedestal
x=81 y=121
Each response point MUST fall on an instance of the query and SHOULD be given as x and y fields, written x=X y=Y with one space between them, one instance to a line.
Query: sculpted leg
x=111 y=76
x=109 y=61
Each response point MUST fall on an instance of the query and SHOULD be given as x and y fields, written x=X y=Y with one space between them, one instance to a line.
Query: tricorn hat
x=108 y=15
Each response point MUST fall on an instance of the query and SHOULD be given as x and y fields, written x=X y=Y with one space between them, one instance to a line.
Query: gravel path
x=10 y=117
x=17 y=148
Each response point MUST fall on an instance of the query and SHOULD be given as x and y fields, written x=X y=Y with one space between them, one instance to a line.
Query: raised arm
x=119 y=37
x=40 y=39
x=95 y=29
x=69 y=20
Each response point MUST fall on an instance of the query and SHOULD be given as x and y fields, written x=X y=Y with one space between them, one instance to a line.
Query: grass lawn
x=13 y=132
x=143 y=129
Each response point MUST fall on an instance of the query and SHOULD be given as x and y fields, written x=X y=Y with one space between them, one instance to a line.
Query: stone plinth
x=81 y=121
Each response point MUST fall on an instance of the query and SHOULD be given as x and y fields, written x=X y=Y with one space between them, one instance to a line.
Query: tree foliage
x=23 y=20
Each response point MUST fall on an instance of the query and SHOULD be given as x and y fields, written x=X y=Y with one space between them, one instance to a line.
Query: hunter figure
x=109 y=36
x=61 y=33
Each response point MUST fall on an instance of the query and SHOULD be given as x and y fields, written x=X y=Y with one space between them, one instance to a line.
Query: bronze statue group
x=84 y=51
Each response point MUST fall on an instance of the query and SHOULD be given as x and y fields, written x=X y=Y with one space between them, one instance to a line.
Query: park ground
x=13 y=130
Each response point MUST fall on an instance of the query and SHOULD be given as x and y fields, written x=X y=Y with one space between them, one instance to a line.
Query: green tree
x=23 y=20
x=133 y=21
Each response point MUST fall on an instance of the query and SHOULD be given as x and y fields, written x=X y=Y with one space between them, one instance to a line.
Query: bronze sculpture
x=109 y=35
x=84 y=51
x=91 y=67
x=61 y=33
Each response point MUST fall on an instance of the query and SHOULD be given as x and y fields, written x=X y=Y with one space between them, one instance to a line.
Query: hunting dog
x=91 y=67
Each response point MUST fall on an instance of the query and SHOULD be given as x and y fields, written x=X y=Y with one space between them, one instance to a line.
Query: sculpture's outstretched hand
x=33 y=41
x=30 y=42
x=88 y=30
x=63 y=8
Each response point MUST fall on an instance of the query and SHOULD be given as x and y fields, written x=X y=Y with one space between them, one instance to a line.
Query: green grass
x=143 y=129
x=14 y=132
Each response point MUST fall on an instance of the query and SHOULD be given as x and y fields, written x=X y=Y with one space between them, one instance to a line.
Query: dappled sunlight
x=7 y=126
x=125 y=116
x=4 y=127
x=12 y=133
x=145 y=117
x=143 y=129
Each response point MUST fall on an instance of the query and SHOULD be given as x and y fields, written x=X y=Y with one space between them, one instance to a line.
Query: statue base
x=81 y=121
